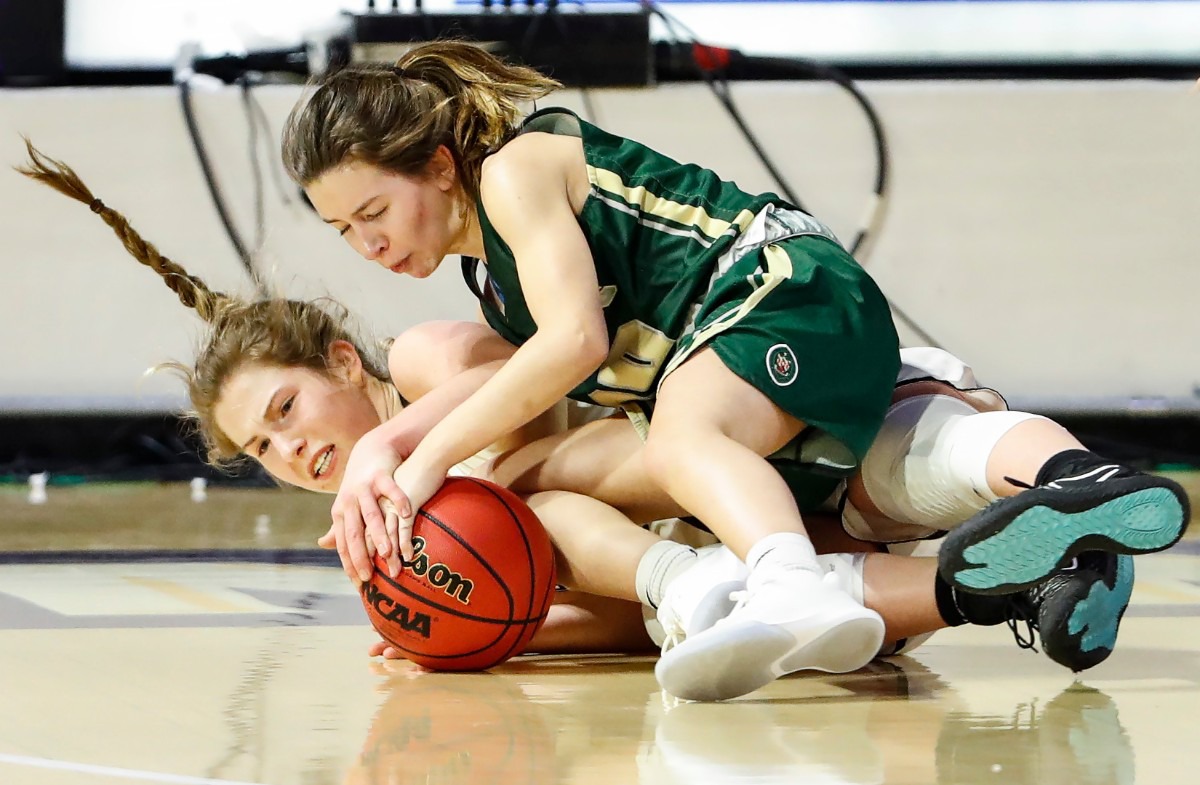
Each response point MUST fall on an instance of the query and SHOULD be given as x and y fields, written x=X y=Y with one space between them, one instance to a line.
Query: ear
x=345 y=363
x=442 y=169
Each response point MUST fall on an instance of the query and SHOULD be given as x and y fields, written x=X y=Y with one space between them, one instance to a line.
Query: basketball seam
x=519 y=625
x=529 y=559
x=478 y=557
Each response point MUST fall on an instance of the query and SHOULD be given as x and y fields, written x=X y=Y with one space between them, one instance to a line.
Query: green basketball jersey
x=656 y=229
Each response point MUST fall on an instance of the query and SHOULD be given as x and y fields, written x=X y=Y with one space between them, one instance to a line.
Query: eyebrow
x=357 y=210
x=265 y=415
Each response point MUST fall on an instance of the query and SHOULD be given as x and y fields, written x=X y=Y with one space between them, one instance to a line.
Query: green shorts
x=801 y=321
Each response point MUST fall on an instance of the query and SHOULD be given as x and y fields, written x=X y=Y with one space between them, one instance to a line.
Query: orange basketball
x=478 y=587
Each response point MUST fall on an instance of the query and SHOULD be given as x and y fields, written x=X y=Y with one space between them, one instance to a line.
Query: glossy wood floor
x=148 y=638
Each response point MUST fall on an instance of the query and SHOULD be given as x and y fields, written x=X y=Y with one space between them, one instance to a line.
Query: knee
x=662 y=455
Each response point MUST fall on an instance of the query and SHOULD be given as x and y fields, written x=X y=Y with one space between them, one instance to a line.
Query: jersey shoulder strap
x=553 y=120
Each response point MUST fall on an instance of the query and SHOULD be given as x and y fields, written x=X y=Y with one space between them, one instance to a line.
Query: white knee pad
x=928 y=465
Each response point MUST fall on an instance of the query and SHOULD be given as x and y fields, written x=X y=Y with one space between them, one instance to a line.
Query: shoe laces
x=675 y=632
x=742 y=597
x=1018 y=483
x=1022 y=608
x=1017 y=613
x=675 y=635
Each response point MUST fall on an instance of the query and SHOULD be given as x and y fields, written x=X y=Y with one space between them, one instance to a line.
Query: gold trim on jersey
x=638 y=351
x=779 y=268
x=654 y=205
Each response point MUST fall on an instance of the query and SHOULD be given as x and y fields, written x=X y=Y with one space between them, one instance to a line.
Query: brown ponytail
x=395 y=116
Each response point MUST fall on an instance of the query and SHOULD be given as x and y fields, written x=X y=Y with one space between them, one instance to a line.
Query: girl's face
x=300 y=424
x=404 y=224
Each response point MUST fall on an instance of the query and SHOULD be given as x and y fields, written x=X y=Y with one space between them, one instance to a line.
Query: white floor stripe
x=110 y=771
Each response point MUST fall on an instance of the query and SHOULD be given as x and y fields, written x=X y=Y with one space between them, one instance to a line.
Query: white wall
x=1046 y=232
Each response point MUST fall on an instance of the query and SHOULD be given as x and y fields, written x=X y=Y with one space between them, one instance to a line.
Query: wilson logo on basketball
x=441 y=576
x=401 y=615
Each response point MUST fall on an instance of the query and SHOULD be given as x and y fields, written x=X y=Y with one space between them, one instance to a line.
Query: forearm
x=541 y=372
x=415 y=421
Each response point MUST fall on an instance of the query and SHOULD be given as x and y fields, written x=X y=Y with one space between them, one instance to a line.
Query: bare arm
x=525 y=190
x=436 y=365
x=356 y=511
x=431 y=353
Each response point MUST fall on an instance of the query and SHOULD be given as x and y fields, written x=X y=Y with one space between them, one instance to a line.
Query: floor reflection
x=1075 y=738
x=892 y=733
x=469 y=729
x=896 y=722
x=227 y=668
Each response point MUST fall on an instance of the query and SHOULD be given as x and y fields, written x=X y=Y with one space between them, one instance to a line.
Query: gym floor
x=147 y=637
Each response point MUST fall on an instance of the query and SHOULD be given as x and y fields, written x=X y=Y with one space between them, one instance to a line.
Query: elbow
x=593 y=347
x=586 y=346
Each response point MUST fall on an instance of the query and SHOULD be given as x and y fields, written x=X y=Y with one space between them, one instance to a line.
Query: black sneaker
x=1082 y=504
x=1076 y=611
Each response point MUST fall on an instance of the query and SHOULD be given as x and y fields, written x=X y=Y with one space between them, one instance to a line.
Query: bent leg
x=601 y=459
x=705 y=448
x=580 y=623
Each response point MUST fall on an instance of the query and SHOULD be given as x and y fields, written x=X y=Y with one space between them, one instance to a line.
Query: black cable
x=525 y=48
x=255 y=169
x=713 y=71
x=189 y=118
x=589 y=107
x=719 y=86
x=813 y=68
x=269 y=134
x=714 y=76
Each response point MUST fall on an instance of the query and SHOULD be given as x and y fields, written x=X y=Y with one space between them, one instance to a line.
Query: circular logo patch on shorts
x=781 y=364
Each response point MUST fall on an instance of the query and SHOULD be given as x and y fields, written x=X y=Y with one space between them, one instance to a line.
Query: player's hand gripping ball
x=478 y=587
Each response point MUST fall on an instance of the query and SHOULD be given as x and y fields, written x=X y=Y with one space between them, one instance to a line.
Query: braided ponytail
x=192 y=291
x=276 y=331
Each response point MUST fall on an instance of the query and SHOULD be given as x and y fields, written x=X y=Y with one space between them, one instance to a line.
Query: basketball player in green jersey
x=629 y=279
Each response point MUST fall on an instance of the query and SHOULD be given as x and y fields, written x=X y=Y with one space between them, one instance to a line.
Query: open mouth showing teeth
x=323 y=463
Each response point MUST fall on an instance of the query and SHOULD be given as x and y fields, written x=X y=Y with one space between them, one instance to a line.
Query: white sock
x=661 y=564
x=782 y=551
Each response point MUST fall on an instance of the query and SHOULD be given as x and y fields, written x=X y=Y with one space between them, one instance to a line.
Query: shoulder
x=534 y=153
x=535 y=167
x=430 y=353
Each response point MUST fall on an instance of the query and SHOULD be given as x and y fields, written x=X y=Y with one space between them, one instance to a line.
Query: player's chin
x=424 y=269
x=309 y=484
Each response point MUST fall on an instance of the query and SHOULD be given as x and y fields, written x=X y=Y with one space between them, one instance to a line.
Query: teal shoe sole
x=1015 y=543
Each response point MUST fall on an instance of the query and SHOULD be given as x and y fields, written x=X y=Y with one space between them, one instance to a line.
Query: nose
x=373 y=245
x=289 y=446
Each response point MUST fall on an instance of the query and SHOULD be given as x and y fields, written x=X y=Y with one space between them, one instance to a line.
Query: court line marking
x=188 y=595
x=111 y=771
